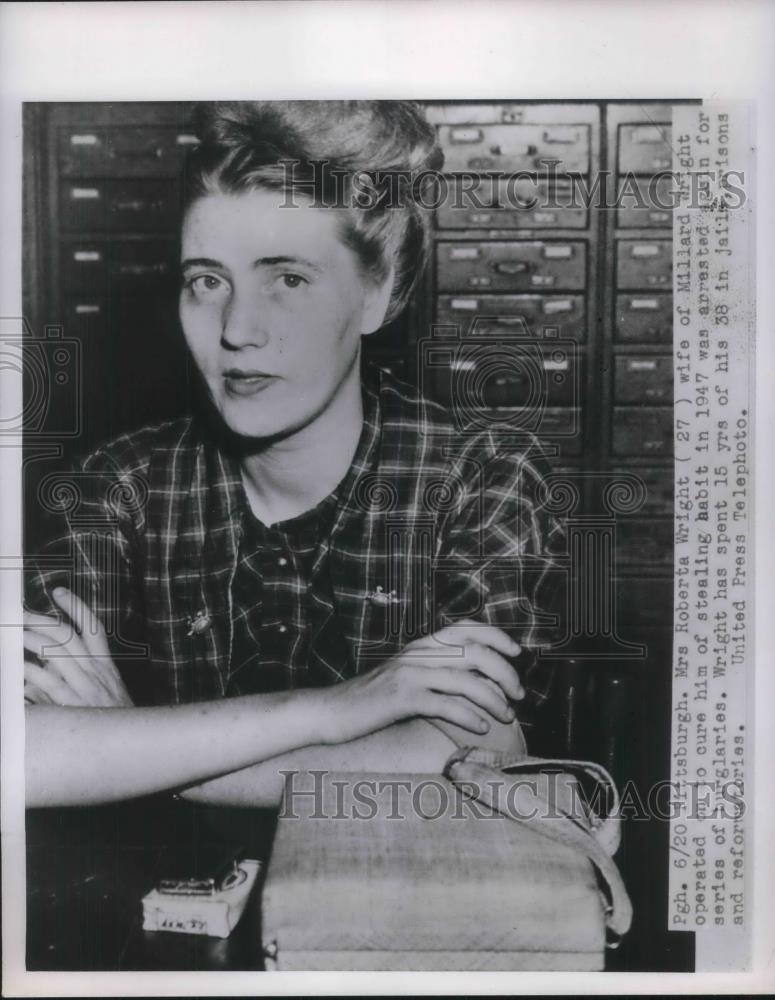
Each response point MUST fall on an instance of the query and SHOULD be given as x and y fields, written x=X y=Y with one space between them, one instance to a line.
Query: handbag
x=543 y=794
x=509 y=884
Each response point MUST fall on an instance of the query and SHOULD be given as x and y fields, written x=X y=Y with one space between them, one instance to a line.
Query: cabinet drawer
x=643 y=378
x=558 y=430
x=122 y=150
x=658 y=484
x=645 y=148
x=86 y=316
x=95 y=267
x=644 y=319
x=645 y=542
x=643 y=431
x=521 y=204
x=540 y=313
x=492 y=374
x=647 y=604
x=646 y=204
x=511 y=266
x=113 y=205
x=644 y=264
x=515 y=147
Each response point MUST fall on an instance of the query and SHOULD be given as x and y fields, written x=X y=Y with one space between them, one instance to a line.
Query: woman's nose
x=243 y=324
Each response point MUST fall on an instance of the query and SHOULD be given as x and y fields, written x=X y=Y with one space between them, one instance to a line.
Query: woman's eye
x=293 y=280
x=206 y=284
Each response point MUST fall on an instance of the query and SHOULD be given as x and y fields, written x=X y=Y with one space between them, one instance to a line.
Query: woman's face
x=273 y=306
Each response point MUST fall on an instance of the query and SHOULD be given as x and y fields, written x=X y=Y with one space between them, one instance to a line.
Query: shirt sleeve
x=500 y=562
x=97 y=518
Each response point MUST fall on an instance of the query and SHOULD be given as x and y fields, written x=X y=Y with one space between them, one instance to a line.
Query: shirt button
x=282 y=628
x=282 y=561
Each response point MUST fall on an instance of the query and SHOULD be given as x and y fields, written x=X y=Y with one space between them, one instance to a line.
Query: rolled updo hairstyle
x=329 y=152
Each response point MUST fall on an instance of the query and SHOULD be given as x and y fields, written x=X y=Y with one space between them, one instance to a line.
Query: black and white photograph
x=383 y=592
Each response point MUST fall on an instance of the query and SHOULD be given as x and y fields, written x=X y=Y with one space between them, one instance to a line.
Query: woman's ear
x=375 y=304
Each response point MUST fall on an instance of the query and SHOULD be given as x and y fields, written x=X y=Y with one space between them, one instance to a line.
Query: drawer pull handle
x=142 y=269
x=658 y=279
x=510 y=267
x=555 y=366
x=462 y=135
x=641 y=366
x=87 y=256
x=464 y=253
x=509 y=321
x=470 y=305
x=561 y=138
x=648 y=135
x=545 y=217
x=186 y=139
x=645 y=250
x=639 y=304
x=552 y=306
x=137 y=206
x=543 y=280
x=463 y=366
x=659 y=216
x=661 y=163
x=79 y=194
x=87 y=310
x=479 y=281
x=480 y=217
x=557 y=253
x=143 y=154
x=83 y=139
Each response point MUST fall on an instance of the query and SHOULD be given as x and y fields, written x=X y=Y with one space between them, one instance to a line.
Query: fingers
x=479 y=691
x=493 y=666
x=458 y=711
x=33 y=695
x=78 y=674
x=43 y=645
x=467 y=631
x=56 y=690
x=472 y=656
x=86 y=622
x=80 y=660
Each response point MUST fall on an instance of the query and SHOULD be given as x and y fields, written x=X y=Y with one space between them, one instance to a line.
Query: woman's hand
x=77 y=667
x=459 y=674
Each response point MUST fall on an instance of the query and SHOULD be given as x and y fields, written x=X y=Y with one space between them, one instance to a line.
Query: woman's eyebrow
x=199 y=262
x=273 y=261
x=258 y=262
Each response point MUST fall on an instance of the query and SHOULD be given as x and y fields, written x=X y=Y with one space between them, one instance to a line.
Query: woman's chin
x=251 y=422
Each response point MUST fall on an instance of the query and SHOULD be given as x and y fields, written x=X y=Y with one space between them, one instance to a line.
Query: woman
x=319 y=566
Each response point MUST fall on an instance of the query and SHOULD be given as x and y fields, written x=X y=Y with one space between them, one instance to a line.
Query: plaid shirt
x=430 y=525
x=274 y=613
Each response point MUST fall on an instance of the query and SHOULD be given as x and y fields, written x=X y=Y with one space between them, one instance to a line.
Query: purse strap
x=471 y=768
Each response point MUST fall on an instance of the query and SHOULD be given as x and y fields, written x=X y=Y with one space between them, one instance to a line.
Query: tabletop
x=88 y=869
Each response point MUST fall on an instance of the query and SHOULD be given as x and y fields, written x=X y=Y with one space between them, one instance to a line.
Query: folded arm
x=417 y=746
x=86 y=745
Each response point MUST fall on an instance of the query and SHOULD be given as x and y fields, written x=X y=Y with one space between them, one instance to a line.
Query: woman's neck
x=292 y=475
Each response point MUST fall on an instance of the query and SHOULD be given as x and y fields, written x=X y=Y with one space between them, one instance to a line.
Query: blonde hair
x=336 y=153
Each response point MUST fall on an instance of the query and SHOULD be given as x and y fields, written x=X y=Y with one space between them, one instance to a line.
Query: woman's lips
x=246 y=383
